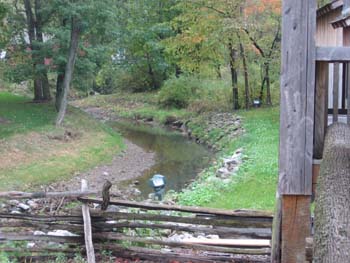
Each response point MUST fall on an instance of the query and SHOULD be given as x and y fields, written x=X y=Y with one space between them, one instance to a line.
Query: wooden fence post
x=90 y=252
x=296 y=126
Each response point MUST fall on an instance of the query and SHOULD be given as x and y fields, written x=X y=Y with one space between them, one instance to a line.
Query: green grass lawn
x=254 y=186
x=34 y=152
x=23 y=116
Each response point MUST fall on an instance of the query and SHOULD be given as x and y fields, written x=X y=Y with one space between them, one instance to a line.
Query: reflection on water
x=177 y=158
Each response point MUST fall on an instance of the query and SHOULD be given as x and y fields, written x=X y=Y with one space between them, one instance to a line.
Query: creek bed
x=177 y=158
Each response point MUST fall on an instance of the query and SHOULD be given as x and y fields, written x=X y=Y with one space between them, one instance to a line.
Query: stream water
x=177 y=158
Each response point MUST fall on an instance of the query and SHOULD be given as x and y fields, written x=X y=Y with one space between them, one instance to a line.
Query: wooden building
x=314 y=81
x=332 y=30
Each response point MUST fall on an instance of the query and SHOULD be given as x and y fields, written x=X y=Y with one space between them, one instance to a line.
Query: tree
x=25 y=22
x=195 y=46
x=90 y=25
x=237 y=26
x=141 y=27
x=209 y=29
x=4 y=32
x=265 y=37
x=73 y=47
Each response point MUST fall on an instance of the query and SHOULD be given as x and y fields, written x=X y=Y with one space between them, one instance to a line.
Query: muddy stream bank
x=149 y=150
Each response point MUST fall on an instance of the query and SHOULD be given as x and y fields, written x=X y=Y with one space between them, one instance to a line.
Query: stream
x=177 y=158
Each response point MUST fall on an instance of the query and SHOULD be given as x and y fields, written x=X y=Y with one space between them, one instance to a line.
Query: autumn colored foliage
x=254 y=6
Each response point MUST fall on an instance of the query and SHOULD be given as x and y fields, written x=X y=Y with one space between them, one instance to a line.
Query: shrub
x=215 y=95
x=112 y=78
x=178 y=92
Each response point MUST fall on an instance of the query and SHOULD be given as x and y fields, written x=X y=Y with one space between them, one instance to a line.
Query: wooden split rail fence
x=136 y=230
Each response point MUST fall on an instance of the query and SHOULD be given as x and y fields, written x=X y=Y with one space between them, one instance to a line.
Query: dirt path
x=127 y=165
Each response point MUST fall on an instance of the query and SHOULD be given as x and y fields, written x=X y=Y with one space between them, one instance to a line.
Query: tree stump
x=332 y=210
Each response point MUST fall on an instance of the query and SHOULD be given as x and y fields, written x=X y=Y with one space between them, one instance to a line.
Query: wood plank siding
x=328 y=36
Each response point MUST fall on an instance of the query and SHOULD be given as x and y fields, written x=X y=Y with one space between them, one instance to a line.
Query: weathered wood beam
x=90 y=252
x=228 y=222
x=189 y=209
x=347 y=89
x=297 y=97
x=336 y=81
x=223 y=232
x=296 y=226
x=5 y=237
x=38 y=195
x=276 y=230
x=333 y=54
x=296 y=125
x=321 y=108
x=309 y=249
x=237 y=246
x=329 y=7
x=157 y=255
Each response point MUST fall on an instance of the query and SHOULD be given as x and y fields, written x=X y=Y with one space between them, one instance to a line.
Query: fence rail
x=144 y=231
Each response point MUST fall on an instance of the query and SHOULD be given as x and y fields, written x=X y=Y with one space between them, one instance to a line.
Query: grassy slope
x=255 y=184
x=34 y=152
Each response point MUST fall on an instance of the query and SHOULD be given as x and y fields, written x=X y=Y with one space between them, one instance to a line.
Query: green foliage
x=97 y=21
x=112 y=78
x=4 y=258
x=177 y=92
x=139 y=51
x=4 y=30
x=199 y=44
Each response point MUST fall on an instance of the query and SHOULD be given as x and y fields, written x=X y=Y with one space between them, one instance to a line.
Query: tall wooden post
x=296 y=126
x=321 y=107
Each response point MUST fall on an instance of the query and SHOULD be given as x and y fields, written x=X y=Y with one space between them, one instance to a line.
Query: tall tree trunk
x=266 y=80
x=151 y=73
x=246 y=74
x=261 y=95
x=266 y=57
x=234 y=78
x=218 y=71
x=178 y=71
x=268 y=88
x=73 y=47
x=60 y=78
x=38 y=93
x=41 y=63
x=59 y=87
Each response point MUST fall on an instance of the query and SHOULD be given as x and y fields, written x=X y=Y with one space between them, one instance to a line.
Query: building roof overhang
x=335 y=4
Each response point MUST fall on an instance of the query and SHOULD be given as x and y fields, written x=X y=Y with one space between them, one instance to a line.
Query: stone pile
x=230 y=165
